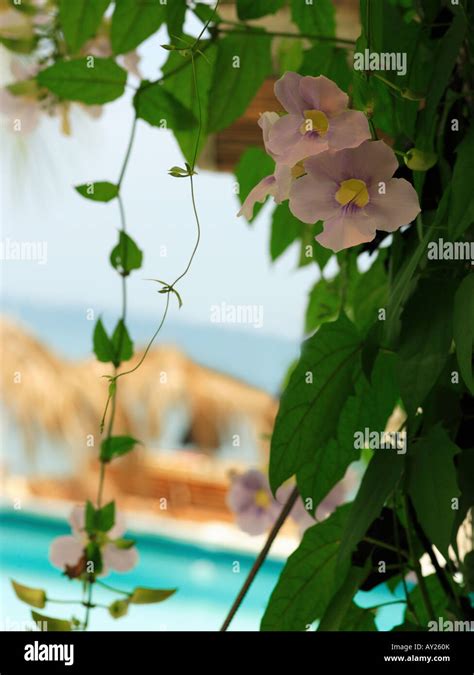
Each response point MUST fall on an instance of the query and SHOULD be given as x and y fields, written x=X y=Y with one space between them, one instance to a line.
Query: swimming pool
x=205 y=576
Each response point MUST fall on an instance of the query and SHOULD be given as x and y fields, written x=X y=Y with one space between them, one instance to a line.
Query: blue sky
x=39 y=204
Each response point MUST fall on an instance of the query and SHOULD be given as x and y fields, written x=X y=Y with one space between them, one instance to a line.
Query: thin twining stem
x=261 y=557
x=248 y=30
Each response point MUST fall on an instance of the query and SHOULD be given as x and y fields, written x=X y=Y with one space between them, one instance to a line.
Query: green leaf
x=311 y=403
x=463 y=329
x=102 y=191
x=433 y=484
x=324 y=59
x=285 y=230
x=425 y=340
x=146 y=596
x=369 y=407
x=80 y=20
x=316 y=19
x=444 y=60
x=175 y=13
x=437 y=598
x=116 y=446
x=205 y=13
x=358 y=619
x=161 y=109
x=181 y=85
x=124 y=543
x=370 y=294
x=253 y=165
x=126 y=256
x=52 y=625
x=99 y=519
x=461 y=212
x=253 y=9
x=90 y=80
x=309 y=579
x=133 y=21
x=290 y=54
x=118 y=608
x=35 y=597
x=341 y=603
x=242 y=63
x=103 y=347
x=122 y=344
x=382 y=475
x=112 y=350
x=324 y=303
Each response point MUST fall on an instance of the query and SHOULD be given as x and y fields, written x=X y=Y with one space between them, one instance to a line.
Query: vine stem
x=261 y=557
x=243 y=29
x=419 y=576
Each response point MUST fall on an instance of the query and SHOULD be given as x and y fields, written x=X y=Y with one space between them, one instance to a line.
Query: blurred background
x=204 y=401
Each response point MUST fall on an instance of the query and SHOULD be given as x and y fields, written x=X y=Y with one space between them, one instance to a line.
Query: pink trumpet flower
x=317 y=120
x=67 y=552
x=354 y=193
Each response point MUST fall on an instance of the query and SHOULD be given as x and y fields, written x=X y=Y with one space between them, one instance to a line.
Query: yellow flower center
x=262 y=499
x=353 y=191
x=298 y=170
x=314 y=120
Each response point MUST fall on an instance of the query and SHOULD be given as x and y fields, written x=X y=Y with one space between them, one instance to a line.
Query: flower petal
x=398 y=206
x=119 y=559
x=320 y=93
x=346 y=230
x=65 y=551
x=287 y=91
x=77 y=520
x=258 y=194
x=347 y=130
x=312 y=200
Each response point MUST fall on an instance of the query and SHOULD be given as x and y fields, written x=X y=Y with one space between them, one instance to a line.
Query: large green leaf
x=445 y=59
x=175 y=13
x=433 y=485
x=253 y=9
x=285 y=230
x=461 y=212
x=437 y=598
x=80 y=20
x=370 y=407
x=134 y=21
x=161 y=109
x=382 y=474
x=309 y=579
x=311 y=403
x=463 y=329
x=254 y=165
x=181 y=86
x=370 y=294
x=341 y=603
x=90 y=80
x=317 y=18
x=325 y=59
x=324 y=303
x=425 y=340
x=242 y=63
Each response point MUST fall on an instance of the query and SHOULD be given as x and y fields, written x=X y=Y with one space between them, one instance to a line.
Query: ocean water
x=252 y=356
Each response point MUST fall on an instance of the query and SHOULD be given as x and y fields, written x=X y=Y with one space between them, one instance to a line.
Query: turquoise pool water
x=204 y=575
